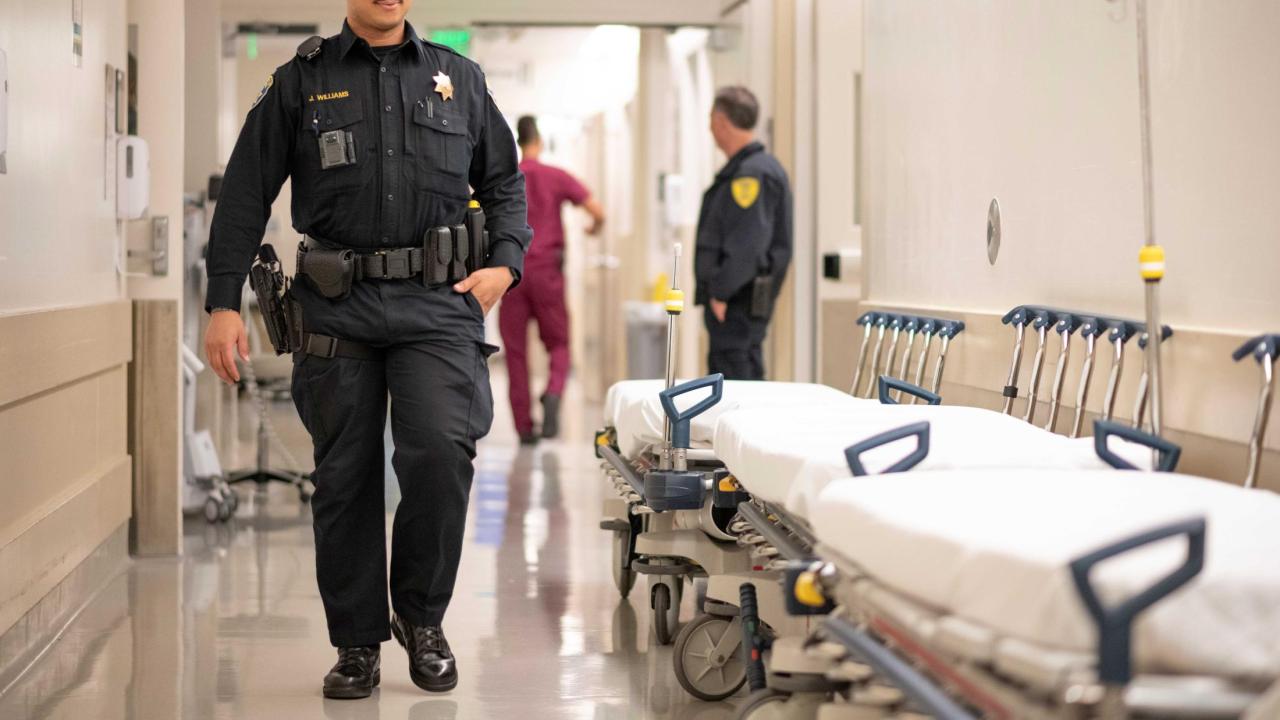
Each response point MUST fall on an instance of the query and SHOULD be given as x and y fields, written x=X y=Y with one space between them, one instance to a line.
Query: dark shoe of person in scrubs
x=432 y=666
x=358 y=672
x=530 y=439
x=550 y=416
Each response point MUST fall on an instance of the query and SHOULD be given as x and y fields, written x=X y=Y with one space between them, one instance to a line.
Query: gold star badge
x=444 y=86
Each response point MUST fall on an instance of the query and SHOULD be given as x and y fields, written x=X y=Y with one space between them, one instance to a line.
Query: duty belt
x=444 y=258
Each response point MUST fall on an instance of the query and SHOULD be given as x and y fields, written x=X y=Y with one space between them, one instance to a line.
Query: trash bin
x=646 y=340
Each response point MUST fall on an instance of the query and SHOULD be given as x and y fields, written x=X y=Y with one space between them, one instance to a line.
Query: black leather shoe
x=432 y=666
x=358 y=672
x=529 y=440
x=550 y=416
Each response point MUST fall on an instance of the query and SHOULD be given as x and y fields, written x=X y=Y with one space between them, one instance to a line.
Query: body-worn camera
x=337 y=149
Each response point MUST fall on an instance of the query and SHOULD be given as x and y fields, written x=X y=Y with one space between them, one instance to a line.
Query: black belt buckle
x=397 y=264
x=321 y=346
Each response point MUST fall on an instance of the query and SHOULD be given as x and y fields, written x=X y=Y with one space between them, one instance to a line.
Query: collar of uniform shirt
x=348 y=39
x=731 y=167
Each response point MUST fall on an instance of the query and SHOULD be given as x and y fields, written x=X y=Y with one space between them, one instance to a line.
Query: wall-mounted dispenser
x=133 y=178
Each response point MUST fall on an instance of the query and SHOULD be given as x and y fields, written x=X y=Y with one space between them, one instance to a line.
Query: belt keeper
x=1011 y=391
x=331 y=346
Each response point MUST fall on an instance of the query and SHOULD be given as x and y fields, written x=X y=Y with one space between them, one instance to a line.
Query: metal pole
x=674 y=306
x=1152 y=257
x=1082 y=395
x=1037 y=367
x=1113 y=382
x=1020 y=334
x=862 y=358
x=924 y=358
x=1260 y=424
x=1060 y=376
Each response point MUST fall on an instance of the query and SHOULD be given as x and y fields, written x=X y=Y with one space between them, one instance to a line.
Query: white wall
x=1036 y=103
x=58 y=234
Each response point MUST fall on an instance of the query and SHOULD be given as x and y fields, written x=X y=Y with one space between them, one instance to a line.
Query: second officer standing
x=744 y=240
x=384 y=135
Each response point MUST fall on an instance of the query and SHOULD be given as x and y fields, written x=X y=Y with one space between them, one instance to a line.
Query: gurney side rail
x=787 y=547
x=1115 y=624
x=618 y=463
x=931 y=699
x=888 y=383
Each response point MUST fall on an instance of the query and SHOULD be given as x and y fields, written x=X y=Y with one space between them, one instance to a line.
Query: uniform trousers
x=540 y=298
x=434 y=372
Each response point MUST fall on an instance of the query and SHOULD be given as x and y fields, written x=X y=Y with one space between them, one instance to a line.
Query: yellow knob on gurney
x=728 y=484
x=1151 y=262
x=807 y=590
x=675 y=301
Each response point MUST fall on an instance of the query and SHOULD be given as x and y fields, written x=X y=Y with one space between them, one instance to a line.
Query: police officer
x=744 y=239
x=382 y=134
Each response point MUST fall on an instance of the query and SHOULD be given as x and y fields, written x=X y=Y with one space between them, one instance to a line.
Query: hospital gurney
x=1017 y=674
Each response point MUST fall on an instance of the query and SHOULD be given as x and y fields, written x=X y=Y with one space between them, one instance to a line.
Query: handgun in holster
x=280 y=313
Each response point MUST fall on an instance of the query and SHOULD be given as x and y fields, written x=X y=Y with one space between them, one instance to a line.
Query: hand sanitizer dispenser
x=133 y=178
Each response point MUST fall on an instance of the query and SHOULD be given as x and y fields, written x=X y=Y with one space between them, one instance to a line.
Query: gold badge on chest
x=444 y=86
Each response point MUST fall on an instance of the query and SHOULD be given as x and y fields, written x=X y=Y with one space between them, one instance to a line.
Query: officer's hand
x=226 y=335
x=488 y=285
x=719 y=308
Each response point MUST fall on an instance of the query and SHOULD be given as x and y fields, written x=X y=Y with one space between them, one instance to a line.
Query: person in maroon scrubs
x=540 y=296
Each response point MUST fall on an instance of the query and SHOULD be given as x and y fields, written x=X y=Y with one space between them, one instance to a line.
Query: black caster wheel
x=233 y=501
x=624 y=578
x=664 y=599
x=763 y=704
x=708 y=657
x=224 y=510
x=212 y=510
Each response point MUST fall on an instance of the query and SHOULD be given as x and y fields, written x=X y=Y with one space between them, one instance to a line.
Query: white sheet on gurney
x=633 y=409
x=789 y=457
x=993 y=548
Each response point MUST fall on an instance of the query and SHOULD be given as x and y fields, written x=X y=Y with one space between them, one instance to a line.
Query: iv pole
x=1151 y=257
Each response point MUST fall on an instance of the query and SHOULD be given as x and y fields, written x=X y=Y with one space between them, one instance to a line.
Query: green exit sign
x=457 y=38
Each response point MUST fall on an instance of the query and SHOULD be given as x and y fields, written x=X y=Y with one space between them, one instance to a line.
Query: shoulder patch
x=310 y=47
x=271 y=80
x=746 y=190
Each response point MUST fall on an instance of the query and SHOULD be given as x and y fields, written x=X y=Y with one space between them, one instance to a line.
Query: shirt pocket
x=345 y=115
x=442 y=140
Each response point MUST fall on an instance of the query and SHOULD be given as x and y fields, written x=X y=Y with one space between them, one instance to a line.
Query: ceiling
x=437 y=13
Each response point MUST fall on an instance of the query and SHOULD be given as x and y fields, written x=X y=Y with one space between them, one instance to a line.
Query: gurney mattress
x=789 y=457
x=993 y=547
x=633 y=409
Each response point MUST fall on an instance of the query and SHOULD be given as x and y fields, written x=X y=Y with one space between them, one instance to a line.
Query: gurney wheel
x=762 y=705
x=623 y=576
x=703 y=666
x=664 y=599
x=233 y=500
x=212 y=510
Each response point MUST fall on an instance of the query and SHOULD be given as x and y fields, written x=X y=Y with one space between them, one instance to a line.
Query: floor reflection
x=235 y=628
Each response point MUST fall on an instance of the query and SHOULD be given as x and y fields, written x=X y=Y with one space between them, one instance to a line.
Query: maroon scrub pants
x=538 y=297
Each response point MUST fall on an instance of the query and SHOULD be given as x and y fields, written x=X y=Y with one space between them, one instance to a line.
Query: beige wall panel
x=56 y=444
x=38 y=559
x=43 y=350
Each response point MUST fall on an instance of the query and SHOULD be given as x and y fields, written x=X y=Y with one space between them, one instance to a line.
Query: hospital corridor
x=617 y=360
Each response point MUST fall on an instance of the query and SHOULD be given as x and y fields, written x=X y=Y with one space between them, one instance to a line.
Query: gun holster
x=762 y=297
x=281 y=314
x=330 y=272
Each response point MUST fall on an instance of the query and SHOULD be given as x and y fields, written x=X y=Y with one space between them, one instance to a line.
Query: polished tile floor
x=235 y=628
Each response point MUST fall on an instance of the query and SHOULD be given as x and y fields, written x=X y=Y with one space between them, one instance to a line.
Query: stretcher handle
x=853 y=454
x=1166 y=332
x=950 y=328
x=1169 y=453
x=680 y=420
x=1263 y=347
x=888 y=383
x=1115 y=623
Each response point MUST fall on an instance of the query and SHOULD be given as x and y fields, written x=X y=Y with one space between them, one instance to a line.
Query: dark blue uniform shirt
x=420 y=153
x=744 y=230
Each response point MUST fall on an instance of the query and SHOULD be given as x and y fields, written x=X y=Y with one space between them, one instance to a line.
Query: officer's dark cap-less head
x=738 y=105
